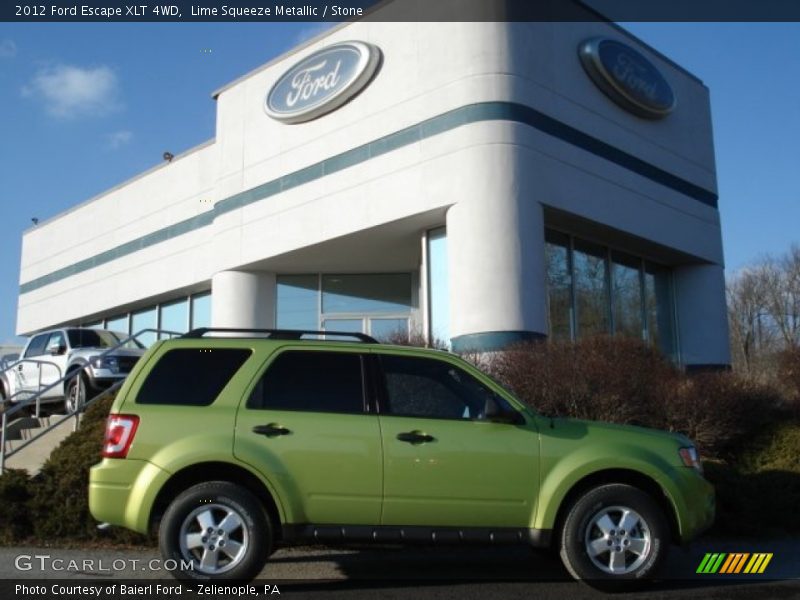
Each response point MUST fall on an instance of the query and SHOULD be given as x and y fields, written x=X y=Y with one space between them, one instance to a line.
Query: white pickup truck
x=51 y=355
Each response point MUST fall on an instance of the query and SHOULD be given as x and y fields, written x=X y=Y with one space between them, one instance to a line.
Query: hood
x=136 y=352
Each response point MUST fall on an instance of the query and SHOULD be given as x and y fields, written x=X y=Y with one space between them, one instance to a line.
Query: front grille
x=126 y=363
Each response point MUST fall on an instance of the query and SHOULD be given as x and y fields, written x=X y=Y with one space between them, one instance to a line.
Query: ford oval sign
x=627 y=77
x=322 y=82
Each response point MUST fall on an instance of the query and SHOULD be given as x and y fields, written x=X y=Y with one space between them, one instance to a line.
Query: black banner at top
x=396 y=10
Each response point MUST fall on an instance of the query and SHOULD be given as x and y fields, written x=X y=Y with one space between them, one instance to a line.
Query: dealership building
x=478 y=183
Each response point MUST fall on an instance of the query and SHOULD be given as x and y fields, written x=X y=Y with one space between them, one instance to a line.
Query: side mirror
x=497 y=414
x=57 y=350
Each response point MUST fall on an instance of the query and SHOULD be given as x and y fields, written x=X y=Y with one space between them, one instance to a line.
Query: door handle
x=19 y=368
x=271 y=430
x=415 y=437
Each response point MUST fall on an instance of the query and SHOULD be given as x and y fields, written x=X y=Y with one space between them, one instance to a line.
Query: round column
x=243 y=299
x=495 y=236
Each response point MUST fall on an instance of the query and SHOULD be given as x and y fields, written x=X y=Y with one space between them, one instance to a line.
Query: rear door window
x=311 y=381
x=191 y=376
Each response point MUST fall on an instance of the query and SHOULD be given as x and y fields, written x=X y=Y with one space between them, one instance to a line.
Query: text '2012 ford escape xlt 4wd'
x=231 y=446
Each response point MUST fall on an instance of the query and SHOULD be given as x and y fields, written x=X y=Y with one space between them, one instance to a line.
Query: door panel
x=445 y=462
x=54 y=367
x=473 y=473
x=328 y=464
x=305 y=426
x=29 y=371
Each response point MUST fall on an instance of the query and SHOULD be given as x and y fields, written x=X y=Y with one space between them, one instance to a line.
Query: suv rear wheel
x=218 y=527
x=614 y=533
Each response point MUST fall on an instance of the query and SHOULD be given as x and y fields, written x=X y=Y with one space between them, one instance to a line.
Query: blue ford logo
x=627 y=77
x=322 y=82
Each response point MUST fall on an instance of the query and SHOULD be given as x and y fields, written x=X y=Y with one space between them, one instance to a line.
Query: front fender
x=568 y=470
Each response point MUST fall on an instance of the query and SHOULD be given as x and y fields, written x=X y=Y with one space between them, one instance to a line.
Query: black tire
x=71 y=401
x=632 y=556
x=214 y=500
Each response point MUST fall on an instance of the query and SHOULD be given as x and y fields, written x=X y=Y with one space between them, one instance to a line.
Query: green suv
x=231 y=446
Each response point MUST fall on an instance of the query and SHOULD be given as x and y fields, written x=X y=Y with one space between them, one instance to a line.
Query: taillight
x=119 y=435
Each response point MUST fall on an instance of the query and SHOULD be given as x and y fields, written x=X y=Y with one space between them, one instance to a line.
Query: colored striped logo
x=735 y=562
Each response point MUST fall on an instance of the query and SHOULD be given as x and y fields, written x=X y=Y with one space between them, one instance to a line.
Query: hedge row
x=625 y=381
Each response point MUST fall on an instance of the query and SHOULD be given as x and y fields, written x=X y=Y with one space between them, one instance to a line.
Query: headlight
x=105 y=362
x=691 y=458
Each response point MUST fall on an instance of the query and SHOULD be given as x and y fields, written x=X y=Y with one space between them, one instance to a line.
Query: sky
x=87 y=106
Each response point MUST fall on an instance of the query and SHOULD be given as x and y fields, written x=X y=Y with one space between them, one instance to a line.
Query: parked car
x=51 y=355
x=5 y=362
x=285 y=440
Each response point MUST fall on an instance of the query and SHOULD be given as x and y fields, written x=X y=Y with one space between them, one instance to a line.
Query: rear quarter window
x=191 y=376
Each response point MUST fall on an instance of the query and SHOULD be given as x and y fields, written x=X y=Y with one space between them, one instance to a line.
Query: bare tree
x=752 y=334
x=764 y=311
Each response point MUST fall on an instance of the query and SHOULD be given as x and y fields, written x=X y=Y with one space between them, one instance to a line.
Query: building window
x=377 y=304
x=145 y=319
x=366 y=294
x=626 y=286
x=658 y=309
x=592 y=289
x=119 y=323
x=201 y=310
x=438 y=287
x=174 y=317
x=298 y=302
x=590 y=269
x=559 y=289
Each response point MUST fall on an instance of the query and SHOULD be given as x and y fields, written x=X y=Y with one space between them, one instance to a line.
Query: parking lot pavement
x=457 y=572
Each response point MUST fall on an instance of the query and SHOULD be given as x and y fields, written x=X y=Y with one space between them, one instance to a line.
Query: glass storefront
x=170 y=316
x=145 y=319
x=592 y=289
x=376 y=304
x=174 y=317
x=438 y=287
x=201 y=310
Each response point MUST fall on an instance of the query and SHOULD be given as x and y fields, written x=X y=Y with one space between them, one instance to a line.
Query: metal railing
x=36 y=397
x=23 y=392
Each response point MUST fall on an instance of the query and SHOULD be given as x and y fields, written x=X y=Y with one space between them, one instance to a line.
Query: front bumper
x=122 y=491
x=696 y=507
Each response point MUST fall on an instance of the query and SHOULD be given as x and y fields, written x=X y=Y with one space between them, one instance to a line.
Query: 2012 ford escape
x=231 y=446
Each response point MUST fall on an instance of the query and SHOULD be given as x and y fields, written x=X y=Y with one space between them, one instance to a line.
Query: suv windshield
x=98 y=338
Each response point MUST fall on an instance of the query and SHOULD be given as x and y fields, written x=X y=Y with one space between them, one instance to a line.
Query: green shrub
x=776 y=448
x=53 y=505
x=60 y=492
x=15 y=492
x=758 y=490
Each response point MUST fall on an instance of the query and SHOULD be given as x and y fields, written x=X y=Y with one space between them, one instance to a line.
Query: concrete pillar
x=702 y=317
x=243 y=299
x=495 y=237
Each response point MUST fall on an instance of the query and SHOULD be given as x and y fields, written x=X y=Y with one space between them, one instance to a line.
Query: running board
x=394 y=534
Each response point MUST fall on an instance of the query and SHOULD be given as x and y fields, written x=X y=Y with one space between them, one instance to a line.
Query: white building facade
x=480 y=183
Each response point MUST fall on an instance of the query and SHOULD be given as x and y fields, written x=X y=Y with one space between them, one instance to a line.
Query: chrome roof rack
x=282 y=334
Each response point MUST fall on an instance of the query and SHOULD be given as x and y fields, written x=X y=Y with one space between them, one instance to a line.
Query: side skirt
x=416 y=534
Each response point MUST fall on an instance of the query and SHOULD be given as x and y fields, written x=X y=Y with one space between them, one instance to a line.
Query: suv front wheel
x=614 y=533
x=216 y=530
x=75 y=396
